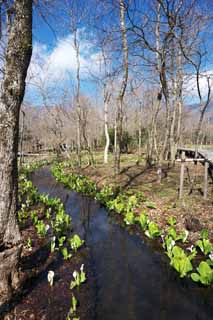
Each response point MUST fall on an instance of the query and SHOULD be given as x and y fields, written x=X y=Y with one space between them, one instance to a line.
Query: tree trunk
x=115 y=142
x=78 y=104
x=21 y=156
x=106 y=129
x=17 y=59
x=122 y=91
x=140 y=133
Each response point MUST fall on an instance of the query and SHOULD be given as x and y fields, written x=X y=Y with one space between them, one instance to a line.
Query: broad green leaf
x=195 y=277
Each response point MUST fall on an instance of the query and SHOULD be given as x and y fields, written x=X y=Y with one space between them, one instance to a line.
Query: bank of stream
x=132 y=279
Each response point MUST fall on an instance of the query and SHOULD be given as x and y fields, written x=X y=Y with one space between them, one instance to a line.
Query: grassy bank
x=136 y=195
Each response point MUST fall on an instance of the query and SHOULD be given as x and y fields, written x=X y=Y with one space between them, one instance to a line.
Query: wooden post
x=205 y=188
x=182 y=174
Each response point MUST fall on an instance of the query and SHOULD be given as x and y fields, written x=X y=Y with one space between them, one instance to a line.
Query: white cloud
x=48 y=66
x=190 y=85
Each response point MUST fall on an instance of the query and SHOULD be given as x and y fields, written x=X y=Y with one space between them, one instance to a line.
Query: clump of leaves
x=48 y=213
x=180 y=261
x=171 y=232
x=66 y=254
x=171 y=221
x=204 y=274
x=143 y=220
x=29 y=244
x=79 y=277
x=61 y=241
x=76 y=182
x=106 y=194
x=168 y=244
x=41 y=228
x=204 y=244
x=62 y=222
x=129 y=218
x=153 y=230
x=34 y=217
x=118 y=204
x=132 y=202
x=22 y=214
x=73 y=309
x=76 y=242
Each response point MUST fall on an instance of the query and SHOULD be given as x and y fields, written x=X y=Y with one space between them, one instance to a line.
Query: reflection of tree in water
x=129 y=275
x=85 y=214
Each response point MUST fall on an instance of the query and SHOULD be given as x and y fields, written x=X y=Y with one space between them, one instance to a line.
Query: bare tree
x=204 y=100
x=120 y=98
x=106 y=82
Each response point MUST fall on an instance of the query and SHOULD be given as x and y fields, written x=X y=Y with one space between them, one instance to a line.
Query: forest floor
x=192 y=212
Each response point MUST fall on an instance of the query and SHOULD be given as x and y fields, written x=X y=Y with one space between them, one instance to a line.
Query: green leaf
x=180 y=261
x=61 y=241
x=204 y=234
x=153 y=230
x=195 y=277
x=204 y=245
x=76 y=242
x=204 y=268
x=74 y=302
x=210 y=262
x=172 y=233
x=206 y=273
x=143 y=220
x=171 y=221
x=129 y=218
x=66 y=254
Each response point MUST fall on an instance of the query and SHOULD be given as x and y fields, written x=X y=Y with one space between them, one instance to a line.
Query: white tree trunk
x=106 y=130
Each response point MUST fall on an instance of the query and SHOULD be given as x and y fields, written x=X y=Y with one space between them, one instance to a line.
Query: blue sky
x=53 y=63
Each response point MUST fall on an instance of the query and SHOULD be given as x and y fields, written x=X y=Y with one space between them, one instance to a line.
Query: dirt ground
x=192 y=212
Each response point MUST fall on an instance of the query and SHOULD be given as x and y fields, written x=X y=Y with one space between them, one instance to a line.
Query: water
x=133 y=280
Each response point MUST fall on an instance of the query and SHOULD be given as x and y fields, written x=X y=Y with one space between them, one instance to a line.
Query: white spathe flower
x=186 y=235
x=171 y=245
x=211 y=256
x=47 y=227
x=82 y=268
x=50 y=277
x=75 y=274
x=190 y=248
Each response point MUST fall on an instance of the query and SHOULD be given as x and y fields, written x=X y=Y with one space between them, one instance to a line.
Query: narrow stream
x=133 y=281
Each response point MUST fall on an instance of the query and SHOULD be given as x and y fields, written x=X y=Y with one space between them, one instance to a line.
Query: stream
x=133 y=280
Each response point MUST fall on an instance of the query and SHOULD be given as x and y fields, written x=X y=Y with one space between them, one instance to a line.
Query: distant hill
x=195 y=107
x=194 y=110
